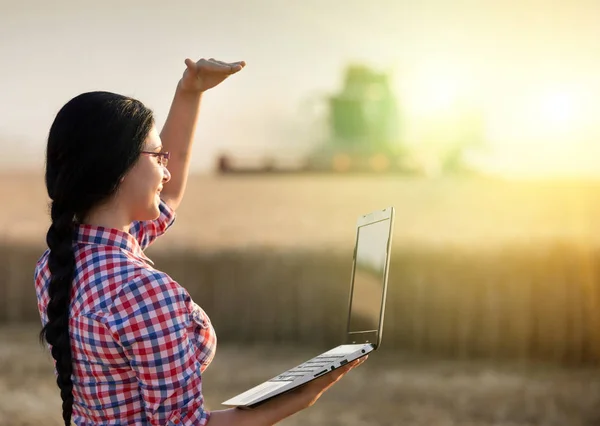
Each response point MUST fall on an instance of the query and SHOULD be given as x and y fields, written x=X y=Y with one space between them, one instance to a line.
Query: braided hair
x=95 y=139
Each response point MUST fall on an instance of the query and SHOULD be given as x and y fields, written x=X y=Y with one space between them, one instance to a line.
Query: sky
x=531 y=68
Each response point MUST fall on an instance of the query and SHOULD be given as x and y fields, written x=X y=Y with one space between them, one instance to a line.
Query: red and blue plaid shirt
x=139 y=342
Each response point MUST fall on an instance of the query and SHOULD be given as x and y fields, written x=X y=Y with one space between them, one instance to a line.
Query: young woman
x=128 y=342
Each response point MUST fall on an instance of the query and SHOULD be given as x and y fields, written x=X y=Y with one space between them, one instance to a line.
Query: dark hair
x=94 y=141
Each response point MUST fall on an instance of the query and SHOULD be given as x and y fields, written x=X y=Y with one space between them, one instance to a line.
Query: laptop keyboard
x=315 y=365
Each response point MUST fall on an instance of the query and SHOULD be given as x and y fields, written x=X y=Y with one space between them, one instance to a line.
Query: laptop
x=366 y=307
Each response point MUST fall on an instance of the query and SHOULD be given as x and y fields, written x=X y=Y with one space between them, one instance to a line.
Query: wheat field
x=388 y=390
x=316 y=211
x=505 y=220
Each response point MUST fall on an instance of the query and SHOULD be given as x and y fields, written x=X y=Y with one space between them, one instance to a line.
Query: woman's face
x=140 y=190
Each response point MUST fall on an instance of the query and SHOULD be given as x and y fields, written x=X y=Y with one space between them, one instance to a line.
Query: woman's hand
x=207 y=73
x=282 y=406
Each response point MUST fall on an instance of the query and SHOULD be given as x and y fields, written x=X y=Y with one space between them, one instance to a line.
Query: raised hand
x=207 y=73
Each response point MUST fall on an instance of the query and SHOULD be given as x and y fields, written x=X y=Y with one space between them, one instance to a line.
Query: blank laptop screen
x=367 y=295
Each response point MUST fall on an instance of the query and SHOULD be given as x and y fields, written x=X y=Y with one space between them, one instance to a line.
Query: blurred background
x=477 y=120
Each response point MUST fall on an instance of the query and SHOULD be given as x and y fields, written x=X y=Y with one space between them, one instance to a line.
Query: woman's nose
x=166 y=175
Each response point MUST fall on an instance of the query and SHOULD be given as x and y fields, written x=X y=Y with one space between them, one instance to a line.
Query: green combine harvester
x=363 y=127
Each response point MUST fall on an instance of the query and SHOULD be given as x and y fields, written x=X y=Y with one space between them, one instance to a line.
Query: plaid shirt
x=139 y=342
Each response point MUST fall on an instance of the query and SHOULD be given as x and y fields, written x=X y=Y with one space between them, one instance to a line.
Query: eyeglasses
x=163 y=157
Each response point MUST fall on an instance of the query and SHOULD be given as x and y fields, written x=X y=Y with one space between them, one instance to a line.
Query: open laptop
x=368 y=288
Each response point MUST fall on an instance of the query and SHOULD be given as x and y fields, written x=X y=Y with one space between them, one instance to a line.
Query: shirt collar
x=99 y=235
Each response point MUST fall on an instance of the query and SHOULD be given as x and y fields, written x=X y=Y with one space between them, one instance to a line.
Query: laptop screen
x=367 y=294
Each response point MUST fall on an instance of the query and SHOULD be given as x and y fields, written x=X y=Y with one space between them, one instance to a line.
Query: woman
x=129 y=344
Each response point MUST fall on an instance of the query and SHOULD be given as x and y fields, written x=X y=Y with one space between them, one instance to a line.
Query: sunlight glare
x=435 y=88
x=559 y=108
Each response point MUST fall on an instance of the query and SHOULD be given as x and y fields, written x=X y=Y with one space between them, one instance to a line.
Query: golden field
x=398 y=390
x=313 y=211
x=479 y=267
x=482 y=270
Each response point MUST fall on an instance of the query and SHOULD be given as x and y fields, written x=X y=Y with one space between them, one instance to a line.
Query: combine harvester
x=363 y=134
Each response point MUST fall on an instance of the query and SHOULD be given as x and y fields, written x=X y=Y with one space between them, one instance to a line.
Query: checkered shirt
x=139 y=342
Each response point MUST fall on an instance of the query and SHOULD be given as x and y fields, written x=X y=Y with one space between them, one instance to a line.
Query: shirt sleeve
x=150 y=320
x=147 y=231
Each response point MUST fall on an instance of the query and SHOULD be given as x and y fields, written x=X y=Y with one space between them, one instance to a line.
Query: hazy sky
x=532 y=67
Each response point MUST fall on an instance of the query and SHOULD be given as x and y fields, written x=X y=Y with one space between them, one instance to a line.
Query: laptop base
x=295 y=377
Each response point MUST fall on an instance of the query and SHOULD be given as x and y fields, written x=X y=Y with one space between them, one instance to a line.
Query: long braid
x=61 y=262
x=95 y=139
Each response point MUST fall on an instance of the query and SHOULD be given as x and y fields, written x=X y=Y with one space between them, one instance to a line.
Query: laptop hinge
x=362 y=337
